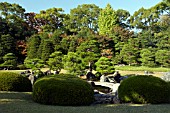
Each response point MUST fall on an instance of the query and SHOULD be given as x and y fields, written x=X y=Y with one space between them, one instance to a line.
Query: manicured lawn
x=18 y=71
x=141 y=68
x=15 y=71
x=124 y=70
x=157 y=74
x=17 y=102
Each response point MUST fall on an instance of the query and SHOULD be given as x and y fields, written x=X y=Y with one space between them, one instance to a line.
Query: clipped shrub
x=143 y=89
x=63 y=90
x=10 y=81
x=168 y=92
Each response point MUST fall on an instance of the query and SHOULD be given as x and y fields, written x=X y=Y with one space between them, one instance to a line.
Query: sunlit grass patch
x=141 y=68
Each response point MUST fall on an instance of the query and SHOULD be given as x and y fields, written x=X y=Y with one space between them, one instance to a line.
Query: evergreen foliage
x=55 y=61
x=144 y=89
x=89 y=31
x=7 y=45
x=10 y=61
x=34 y=63
x=63 y=90
x=14 y=82
x=104 y=66
x=89 y=53
x=33 y=46
x=147 y=58
x=163 y=56
x=107 y=20
x=84 y=16
x=47 y=50
x=73 y=63
x=130 y=52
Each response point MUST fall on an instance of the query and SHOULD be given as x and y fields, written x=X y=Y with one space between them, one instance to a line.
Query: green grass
x=18 y=71
x=18 y=102
x=15 y=71
x=124 y=70
x=141 y=68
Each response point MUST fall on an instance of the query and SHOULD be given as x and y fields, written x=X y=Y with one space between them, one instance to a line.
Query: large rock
x=166 y=76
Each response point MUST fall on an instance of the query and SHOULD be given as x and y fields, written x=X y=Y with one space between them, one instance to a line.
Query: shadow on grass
x=15 y=95
x=21 y=102
x=11 y=98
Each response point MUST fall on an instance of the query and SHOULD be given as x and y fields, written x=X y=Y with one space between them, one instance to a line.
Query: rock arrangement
x=166 y=76
x=101 y=98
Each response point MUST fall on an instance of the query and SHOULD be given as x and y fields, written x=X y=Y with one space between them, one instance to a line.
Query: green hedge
x=168 y=91
x=63 y=90
x=10 y=81
x=144 y=89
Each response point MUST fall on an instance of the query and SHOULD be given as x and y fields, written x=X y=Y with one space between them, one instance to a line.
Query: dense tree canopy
x=108 y=19
x=51 y=19
x=55 y=61
x=84 y=16
x=88 y=34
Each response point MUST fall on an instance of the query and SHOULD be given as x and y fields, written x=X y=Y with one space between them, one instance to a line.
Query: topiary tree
x=143 y=89
x=55 y=61
x=147 y=58
x=73 y=63
x=34 y=64
x=14 y=82
x=104 y=66
x=89 y=53
x=63 y=90
x=10 y=60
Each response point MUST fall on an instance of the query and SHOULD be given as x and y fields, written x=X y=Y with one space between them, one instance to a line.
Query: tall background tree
x=147 y=58
x=47 y=50
x=51 y=19
x=7 y=45
x=107 y=20
x=33 y=45
x=13 y=23
x=88 y=32
x=84 y=16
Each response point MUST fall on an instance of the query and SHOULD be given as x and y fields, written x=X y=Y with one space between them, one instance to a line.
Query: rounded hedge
x=63 y=90
x=143 y=89
x=168 y=91
x=10 y=81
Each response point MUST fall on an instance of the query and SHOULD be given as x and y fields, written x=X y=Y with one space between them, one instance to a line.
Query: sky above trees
x=66 y=5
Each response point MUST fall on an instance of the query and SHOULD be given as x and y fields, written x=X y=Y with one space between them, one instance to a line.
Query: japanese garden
x=52 y=61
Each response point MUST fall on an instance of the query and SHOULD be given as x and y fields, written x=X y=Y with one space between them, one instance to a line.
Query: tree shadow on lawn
x=8 y=96
x=21 y=102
